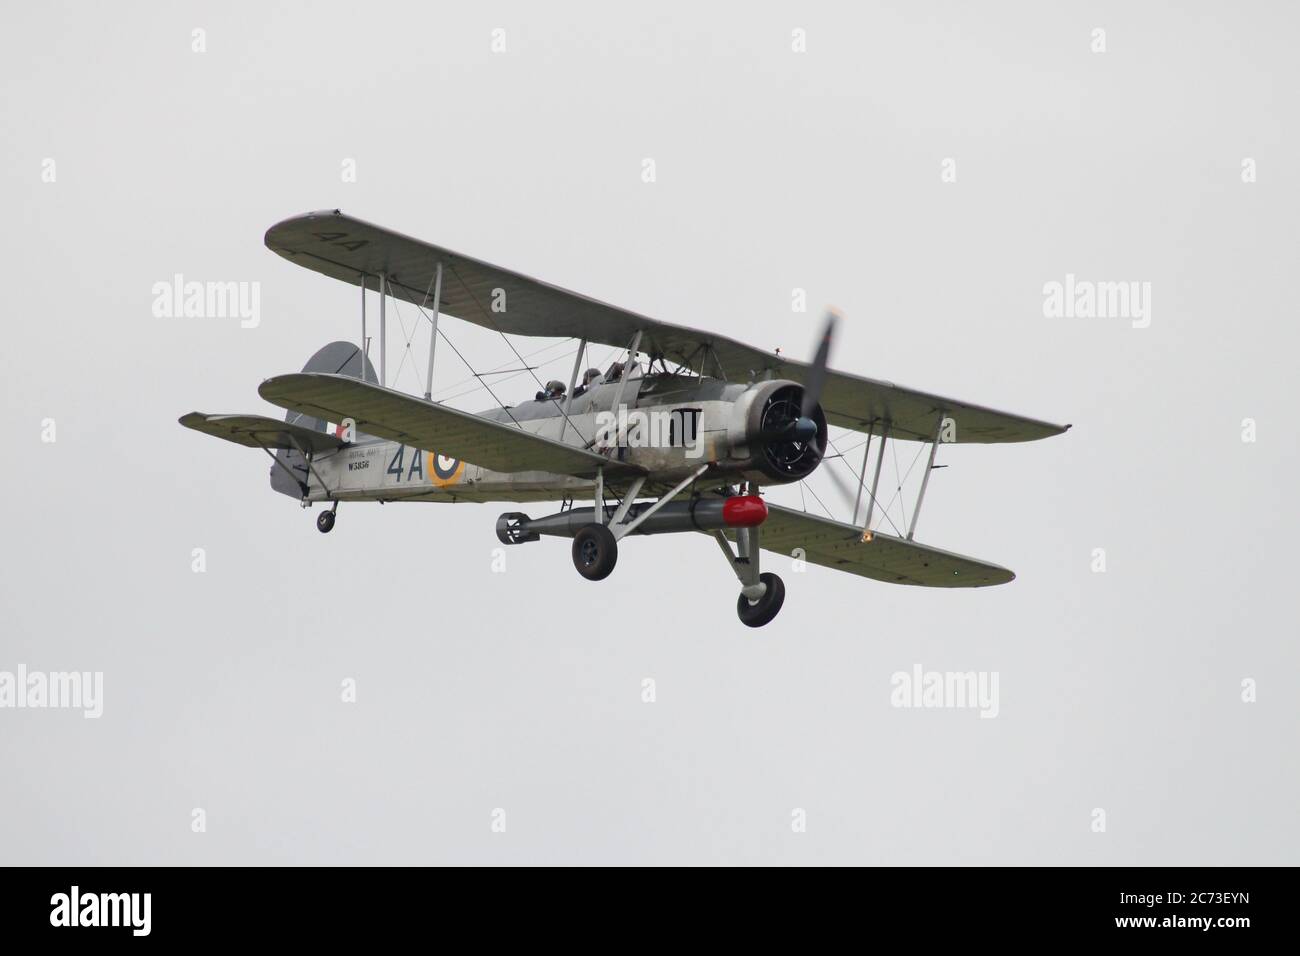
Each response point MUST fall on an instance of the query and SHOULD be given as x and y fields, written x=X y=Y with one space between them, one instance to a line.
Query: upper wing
x=349 y=249
x=257 y=431
x=883 y=558
x=432 y=427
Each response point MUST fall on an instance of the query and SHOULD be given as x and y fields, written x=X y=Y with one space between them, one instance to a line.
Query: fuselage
x=667 y=424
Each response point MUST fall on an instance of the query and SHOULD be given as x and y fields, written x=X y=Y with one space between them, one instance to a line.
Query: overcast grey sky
x=775 y=169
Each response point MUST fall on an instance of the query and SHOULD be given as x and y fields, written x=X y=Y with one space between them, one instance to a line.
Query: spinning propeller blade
x=804 y=428
x=816 y=378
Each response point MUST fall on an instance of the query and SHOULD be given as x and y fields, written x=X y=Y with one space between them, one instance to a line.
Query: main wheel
x=757 y=613
x=594 y=552
x=324 y=522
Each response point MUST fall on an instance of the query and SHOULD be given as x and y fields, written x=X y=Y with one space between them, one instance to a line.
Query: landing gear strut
x=595 y=552
x=761 y=594
x=595 y=545
x=325 y=520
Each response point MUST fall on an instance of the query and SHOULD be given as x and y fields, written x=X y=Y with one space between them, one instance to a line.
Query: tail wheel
x=595 y=552
x=757 y=613
x=324 y=522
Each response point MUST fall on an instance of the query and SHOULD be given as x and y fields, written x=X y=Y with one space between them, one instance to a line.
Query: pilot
x=554 y=391
x=588 y=379
x=615 y=372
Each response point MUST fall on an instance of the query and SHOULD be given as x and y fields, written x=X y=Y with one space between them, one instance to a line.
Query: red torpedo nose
x=744 y=511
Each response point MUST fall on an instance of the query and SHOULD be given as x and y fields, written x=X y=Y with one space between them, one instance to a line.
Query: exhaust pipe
x=698 y=514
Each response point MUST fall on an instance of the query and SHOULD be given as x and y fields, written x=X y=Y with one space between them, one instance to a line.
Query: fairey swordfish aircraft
x=680 y=434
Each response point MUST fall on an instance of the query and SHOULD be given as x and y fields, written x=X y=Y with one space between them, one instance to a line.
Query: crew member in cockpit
x=589 y=378
x=554 y=391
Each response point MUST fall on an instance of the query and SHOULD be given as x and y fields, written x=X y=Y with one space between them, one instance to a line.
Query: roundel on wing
x=443 y=471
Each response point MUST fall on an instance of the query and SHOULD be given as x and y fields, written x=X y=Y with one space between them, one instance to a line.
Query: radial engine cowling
x=769 y=441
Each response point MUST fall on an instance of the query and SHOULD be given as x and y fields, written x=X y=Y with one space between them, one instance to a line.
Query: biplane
x=680 y=434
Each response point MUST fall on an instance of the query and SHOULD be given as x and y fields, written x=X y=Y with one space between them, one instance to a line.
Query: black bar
x=924 y=906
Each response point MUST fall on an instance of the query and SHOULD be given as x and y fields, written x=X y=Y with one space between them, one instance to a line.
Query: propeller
x=804 y=428
x=816 y=378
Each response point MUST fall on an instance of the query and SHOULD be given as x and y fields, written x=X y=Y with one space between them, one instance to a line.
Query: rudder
x=337 y=358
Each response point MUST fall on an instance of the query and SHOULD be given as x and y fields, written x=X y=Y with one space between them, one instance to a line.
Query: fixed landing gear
x=595 y=552
x=595 y=540
x=325 y=520
x=758 y=612
x=761 y=594
x=595 y=546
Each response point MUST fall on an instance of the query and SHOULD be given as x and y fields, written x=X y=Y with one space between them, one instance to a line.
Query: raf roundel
x=444 y=471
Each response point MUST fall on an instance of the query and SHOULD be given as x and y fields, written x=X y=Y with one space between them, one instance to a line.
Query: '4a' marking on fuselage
x=441 y=470
x=415 y=468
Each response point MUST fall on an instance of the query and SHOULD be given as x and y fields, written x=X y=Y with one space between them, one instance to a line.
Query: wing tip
x=992 y=576
x=268 y=236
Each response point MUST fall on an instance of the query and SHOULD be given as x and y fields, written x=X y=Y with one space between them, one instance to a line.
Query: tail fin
x=338 y=358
